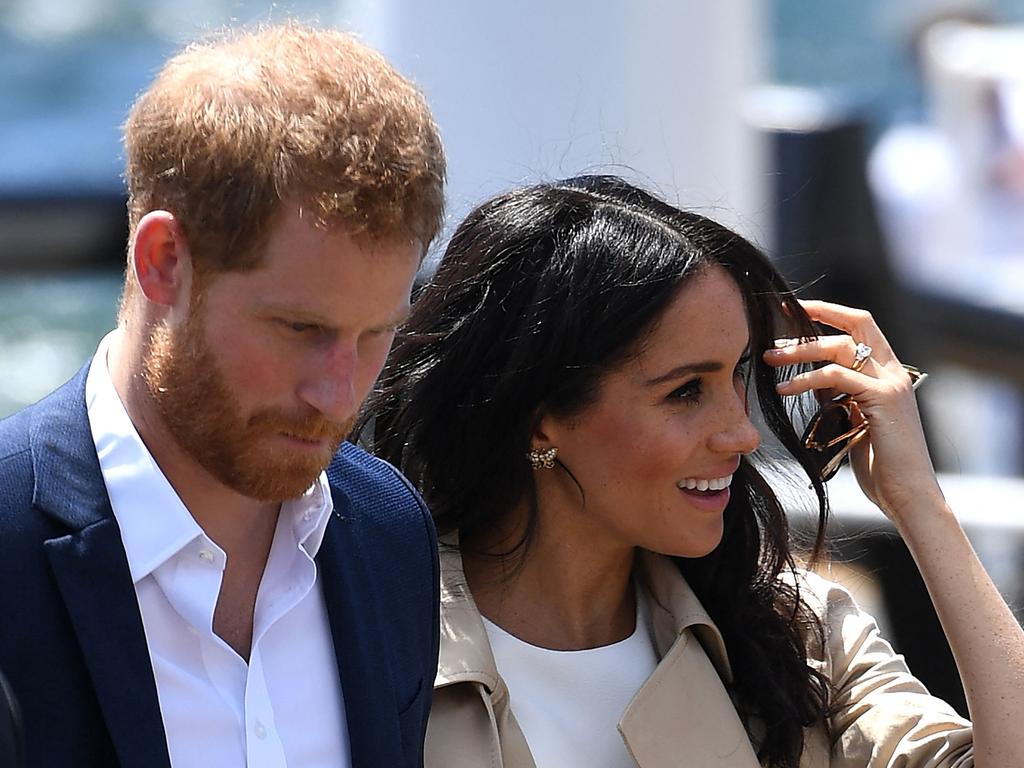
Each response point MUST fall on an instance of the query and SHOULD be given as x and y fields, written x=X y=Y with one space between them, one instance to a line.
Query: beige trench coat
x=682 y=715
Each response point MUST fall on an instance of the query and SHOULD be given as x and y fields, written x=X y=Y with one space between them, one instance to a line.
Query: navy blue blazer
x=72 y=643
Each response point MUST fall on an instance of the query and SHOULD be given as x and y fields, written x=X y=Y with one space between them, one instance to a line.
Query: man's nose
x=331 y=387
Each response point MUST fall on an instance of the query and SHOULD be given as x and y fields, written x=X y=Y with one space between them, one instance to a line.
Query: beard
x=202 y=414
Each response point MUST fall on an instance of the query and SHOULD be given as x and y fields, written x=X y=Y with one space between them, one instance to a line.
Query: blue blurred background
x=672 y=94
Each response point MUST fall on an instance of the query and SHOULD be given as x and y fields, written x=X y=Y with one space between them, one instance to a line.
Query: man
x=188 y=576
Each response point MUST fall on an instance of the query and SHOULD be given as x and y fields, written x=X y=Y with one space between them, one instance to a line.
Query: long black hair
x=540 y=292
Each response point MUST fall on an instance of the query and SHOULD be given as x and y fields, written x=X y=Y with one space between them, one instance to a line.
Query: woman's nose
x=738 y=434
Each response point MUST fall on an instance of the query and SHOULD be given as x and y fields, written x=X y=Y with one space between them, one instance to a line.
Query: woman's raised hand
x=892 y=463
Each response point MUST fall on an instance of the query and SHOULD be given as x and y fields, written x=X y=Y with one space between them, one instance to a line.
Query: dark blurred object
x=12 y=751
x=826 y=237
x=41 y=231
x=828 y=243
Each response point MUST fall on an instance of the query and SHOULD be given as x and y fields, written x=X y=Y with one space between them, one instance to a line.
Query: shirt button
x=307 y=515
x=260 y=731
x=206 y=555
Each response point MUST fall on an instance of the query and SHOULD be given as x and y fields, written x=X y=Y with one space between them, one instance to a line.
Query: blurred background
x=874 y=149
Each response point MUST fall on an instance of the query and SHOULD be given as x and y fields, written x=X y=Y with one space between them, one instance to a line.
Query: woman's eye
x=689 y=392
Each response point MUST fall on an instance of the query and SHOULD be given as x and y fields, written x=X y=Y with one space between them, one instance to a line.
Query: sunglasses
x=831 y=433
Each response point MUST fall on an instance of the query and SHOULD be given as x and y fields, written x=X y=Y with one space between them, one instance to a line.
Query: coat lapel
x=358 y=634
x=91 y=570
x=682 y=715
x=485 y=729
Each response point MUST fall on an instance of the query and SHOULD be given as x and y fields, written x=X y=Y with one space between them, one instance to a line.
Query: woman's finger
x=857 y=323
x=832 y=376
x=841 y=349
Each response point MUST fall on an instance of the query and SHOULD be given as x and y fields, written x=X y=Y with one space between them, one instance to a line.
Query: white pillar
x=541 y=89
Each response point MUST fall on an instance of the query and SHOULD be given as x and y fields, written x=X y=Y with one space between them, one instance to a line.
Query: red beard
x=203 y=416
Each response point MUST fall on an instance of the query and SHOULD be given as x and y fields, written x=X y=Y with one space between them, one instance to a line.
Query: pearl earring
x=542 y=459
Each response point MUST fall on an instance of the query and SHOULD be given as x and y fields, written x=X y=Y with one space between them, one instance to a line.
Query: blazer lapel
x=359 y=641
x=91 y=571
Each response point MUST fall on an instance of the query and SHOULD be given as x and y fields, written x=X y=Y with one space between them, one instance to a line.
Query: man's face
x=262 y=382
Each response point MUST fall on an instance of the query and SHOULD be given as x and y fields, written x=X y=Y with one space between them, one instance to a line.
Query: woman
x=571 y=395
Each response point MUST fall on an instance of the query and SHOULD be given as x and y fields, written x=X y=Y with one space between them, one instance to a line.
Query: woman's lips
x=709 y=501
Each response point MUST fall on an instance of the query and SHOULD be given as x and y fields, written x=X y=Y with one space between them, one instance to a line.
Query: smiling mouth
x=705 y=485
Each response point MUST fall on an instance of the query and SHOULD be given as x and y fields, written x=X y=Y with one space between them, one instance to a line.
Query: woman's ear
x=549 y=431
x=543 y=425
x=543 y=449
x=162 y=260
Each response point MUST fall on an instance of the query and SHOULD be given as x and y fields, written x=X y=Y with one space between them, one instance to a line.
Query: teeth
x=700 y=484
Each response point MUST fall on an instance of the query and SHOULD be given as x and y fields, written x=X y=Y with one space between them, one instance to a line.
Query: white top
x=568 y=703
x=285 y=706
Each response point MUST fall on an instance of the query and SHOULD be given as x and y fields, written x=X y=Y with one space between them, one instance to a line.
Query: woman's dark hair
x=540 y=292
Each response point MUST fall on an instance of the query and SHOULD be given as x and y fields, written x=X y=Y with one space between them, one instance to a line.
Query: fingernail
x=780 y=343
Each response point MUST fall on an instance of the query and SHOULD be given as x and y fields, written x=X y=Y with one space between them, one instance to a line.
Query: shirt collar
x=310 y=514
x=155 y=525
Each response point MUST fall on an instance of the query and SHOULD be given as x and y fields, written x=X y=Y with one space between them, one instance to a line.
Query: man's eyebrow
x=274 y=307
x=315 y=318
x=397 y=320
x=705 y=366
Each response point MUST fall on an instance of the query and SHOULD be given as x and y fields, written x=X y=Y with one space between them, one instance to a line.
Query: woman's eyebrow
x=687 y=369
x=705 y=366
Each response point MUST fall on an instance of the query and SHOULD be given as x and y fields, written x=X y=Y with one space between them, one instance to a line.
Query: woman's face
x=655 y=453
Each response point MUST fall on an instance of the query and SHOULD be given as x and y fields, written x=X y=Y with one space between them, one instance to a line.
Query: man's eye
x=300 y=327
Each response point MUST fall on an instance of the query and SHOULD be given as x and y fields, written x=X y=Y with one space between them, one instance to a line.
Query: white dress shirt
x=285 y=707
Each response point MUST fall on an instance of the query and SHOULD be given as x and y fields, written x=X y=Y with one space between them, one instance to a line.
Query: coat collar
x=92 y=573
x=675 y=609
x=466 y=653
x=68 y=483
x=684 y=710
x=681 y=715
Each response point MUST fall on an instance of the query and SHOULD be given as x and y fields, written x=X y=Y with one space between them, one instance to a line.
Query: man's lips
x=303 y=440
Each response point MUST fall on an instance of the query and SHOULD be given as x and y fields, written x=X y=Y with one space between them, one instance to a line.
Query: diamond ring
x=861 y=353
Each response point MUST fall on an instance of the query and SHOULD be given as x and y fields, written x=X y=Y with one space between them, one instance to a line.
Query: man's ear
x=161 y=259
